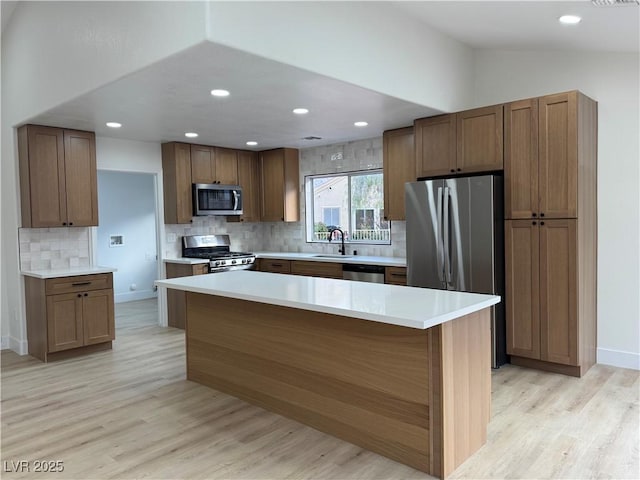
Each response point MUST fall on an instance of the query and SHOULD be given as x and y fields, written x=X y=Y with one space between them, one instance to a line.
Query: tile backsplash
x=57 y=248
x=53 y=248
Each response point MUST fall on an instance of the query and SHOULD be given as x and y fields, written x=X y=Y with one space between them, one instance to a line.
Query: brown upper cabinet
x=176 y=177
x=463 y=142
x=58 y=178
x=280 y=180
x=543 y=154
x=398 y=160
x=249 y=180
x=214 y=165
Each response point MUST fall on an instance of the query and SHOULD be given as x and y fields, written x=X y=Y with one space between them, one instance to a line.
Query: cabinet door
x=226 y=166
x=522 y=252
x=435 y=145
x=558 y=155
x=272 y=168
x=480 y=139
x=521 y=159
x=249 y=180
x=64 y=322
x=558 y=296
x=398 y=161
x=81 y=179
x=274 y=266
x=202 y=164
x=98 y=316
x=176 y=174
x=44 y=161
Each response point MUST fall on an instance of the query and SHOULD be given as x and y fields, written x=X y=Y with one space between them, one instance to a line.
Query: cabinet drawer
x=200 y=269
x=395 y=275
x=275 y=266
x=80 y=283
x=317 y=269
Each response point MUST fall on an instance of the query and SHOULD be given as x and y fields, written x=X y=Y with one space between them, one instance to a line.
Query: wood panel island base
x=418 y=395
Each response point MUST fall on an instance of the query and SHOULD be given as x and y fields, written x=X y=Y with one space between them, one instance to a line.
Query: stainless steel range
x=217 y=249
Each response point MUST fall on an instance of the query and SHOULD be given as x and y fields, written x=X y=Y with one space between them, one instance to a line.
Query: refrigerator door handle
x=446 y=237
x=439 y=252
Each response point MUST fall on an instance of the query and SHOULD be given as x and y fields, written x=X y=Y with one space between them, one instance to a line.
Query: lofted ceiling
x=163 y=101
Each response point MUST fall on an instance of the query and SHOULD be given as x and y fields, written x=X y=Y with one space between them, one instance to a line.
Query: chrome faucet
x=343 y=251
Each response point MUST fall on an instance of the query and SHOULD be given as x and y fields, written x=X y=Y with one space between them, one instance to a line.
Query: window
x=353 y=202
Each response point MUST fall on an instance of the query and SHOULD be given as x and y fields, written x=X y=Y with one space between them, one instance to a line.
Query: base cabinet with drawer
x=395 y=276
x=177 y=299
x=69 y=315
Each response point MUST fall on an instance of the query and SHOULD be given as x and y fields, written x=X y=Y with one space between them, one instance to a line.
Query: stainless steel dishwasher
x=363 y=273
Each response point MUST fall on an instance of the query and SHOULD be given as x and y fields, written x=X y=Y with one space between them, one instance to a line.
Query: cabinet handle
x=70 y=223
x=452 y=170
x=79 y=295
x=79 y=284
x=541 y=223
x=399 y=275
x=542 y=214
x=533 y=214
x=276 y=264
x=459 y=169
x=533 y=223
x=86 y=294
x=64 y=223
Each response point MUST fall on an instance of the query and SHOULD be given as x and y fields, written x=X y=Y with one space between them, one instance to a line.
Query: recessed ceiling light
x=218 y=92
x=569 y=19
x=361 y=124
x=251 y=143
x=191 y=134
x=114 y=124
x=300 y=111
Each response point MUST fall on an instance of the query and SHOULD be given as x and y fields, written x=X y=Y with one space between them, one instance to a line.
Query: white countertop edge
x=391 y=320
x=353 y=259
x=68 y=272
x=186 y=261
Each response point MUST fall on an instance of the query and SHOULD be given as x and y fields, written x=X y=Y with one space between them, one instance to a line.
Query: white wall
x=127 y=204
x=371 y=44
x=613 y=80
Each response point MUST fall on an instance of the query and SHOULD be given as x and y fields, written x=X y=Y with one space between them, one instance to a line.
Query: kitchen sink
x=332 y=255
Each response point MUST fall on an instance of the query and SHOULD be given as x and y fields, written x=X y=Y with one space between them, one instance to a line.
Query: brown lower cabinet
x=69 y=315
x=176 y=299
x=395 y=275
x=550 y=296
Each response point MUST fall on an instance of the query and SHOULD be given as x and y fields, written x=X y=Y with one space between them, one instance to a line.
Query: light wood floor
x=130 y=413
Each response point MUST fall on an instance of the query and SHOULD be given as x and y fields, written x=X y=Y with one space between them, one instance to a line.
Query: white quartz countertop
x=396 y=305
x=319 y=257
x=68 y=272
x=186 y=261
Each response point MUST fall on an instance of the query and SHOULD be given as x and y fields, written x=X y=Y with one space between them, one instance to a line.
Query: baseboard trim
x=21 y=347
x=618 y=358
x=133 y=296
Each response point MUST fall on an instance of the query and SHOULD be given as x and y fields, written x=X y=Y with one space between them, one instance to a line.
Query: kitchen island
x=401 y=371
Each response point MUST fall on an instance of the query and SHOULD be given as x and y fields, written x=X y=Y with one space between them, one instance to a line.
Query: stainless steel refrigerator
x=455 y=241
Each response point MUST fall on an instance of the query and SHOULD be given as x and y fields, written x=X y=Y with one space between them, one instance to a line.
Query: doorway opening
x=127 y=239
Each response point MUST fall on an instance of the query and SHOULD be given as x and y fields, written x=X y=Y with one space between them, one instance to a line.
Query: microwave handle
x=235 y=200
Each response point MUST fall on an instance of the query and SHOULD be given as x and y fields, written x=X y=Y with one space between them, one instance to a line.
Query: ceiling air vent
x=311 y=137
x=614 y=3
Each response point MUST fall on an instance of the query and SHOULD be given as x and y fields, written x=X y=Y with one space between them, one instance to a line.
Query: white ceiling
x=167 y=99
x=532 y=25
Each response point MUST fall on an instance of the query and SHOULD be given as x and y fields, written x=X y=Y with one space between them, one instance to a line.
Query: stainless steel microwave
x=215 y=199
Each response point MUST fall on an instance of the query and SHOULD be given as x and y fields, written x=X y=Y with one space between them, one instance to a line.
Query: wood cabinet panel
x=176 y=176
x=249 y=180
x=395 y=275
x=558 y=156
x=435 y=145
x=521 y=159
x=58 y=179
x=316 y=269
x=274 y=265
x=176 y=299
x=279 y=185
x=81 y=178
x=398 y=161
x=98 y=316
x=202 y=164
x=226 y=169
x=522 y=253
x=64 y=322
x=558 y=299
x=78 y=283
x=480 y=139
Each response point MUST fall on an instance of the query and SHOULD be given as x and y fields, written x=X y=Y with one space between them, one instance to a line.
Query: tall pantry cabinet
x=550 y=232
